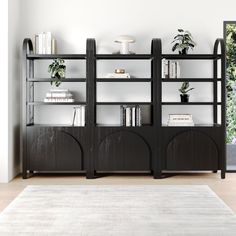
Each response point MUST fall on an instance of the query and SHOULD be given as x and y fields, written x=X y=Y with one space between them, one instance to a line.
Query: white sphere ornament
x=124 y=40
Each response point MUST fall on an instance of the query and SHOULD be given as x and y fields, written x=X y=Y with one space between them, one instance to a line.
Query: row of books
x=79 y=116
x=45 y=43
x=59 y=95
x=130 y=115
x=170 y=69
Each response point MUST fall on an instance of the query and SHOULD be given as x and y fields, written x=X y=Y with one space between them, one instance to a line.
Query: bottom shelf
x=54 y=125
x=195 y=126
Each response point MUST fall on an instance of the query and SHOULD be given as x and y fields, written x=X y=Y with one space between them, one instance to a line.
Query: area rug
x=111 y=210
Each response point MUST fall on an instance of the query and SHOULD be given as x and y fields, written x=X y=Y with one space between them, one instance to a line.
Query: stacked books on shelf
x=45 y=43
x=130 y=115
x=170 y=69
x=79 y=116
x=180 y=120
x=59 y=95
x=119 y=73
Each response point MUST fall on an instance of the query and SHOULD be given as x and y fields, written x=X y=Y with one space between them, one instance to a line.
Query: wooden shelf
x=192 y=56
x=55 y=56
x=130 y=80
x=51 y=80
x=195 y=126
x=124 y=56
x=124 y=103
x=55 y=103
x=189 y=103
x=190 y=80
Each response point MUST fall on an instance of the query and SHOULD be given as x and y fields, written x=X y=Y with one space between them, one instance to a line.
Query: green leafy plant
x=184 y=89
x=183 y=41
x=57 y=69
x=231 y=83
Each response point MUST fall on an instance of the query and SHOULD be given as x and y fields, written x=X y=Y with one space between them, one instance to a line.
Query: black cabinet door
x=191 y=150
x=123 y=151
x=51 y=149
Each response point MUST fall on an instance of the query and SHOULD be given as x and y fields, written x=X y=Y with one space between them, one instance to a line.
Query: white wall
x=72 y=21
x=4 y=93
x=14 y=76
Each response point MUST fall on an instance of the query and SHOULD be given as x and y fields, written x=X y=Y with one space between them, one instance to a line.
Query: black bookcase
x=95 y=148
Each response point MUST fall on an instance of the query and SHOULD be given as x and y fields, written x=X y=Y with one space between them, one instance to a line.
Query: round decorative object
x=119 y=71
x=124 y=40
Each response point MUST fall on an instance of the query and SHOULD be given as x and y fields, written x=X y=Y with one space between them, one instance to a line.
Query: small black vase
x=184 y=97
x=184 y=51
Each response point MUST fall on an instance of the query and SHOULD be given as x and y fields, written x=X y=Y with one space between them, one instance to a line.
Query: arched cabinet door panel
x=123 y=151
x=191 y=150
x=54 y=150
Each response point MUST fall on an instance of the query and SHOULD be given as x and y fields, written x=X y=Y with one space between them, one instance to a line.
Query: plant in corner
x=183 y=41
x=57 y=69
x=184 y=89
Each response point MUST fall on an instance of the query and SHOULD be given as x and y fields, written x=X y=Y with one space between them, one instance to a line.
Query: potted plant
x=57 y=69
x=184 y=89
x=183 y=41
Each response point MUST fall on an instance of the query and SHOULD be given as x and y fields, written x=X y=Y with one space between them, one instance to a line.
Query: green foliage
x=231 y=83
x=183 y=41
x=184 y=89
x=57 y=69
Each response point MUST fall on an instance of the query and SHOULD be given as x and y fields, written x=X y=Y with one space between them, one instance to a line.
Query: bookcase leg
x=24 y=175
x=222 y=174
x=90 y=174
x=157 y=174
x=214 y=171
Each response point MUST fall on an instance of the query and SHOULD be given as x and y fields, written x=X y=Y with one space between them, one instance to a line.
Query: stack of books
x=45 y=43
x=59 y=95
x=180 y=120
x=170 y=69
x=79 y=116
x=119 y=76
x=130 y=115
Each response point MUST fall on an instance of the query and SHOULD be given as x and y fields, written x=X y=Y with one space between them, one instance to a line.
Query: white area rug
x=111 y=210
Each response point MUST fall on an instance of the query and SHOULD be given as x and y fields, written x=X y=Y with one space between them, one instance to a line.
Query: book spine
x=139 y=116
x=54 y=46
x=178 y=69
x=43 y=43
x=121 y=115
x=74 y=116
x=40 y=43
x=133 y=116
x=36 y=44
x=128 y=116
x=82 y=115
x=48 y=43
x=79 y=116
x=58 y=95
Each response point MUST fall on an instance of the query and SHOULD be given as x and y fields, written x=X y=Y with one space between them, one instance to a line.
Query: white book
x=180 y=124
x=128 y=116
x=40 y=43
x=59 y=100
x=139 y=116
x=44 y=43
x=48 y=42
x=133 y=116
x=120 y=76
x=59 y=95
x=178 y=70
x=78 y=120
x=59 y=90
x=82 y=115
x=36 y=44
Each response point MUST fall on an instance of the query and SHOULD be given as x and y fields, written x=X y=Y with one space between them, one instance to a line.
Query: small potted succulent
x=57 y=69
x=184 y=89
x=183 y=41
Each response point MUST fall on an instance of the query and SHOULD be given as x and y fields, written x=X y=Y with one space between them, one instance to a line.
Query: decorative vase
x=184 y=97
x=184 y=51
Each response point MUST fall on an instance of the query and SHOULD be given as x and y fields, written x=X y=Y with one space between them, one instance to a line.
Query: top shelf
x=192 y=56
x=55 y=56
x=124 y=56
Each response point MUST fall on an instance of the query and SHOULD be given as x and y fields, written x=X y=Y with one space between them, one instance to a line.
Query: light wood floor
x=225 y=189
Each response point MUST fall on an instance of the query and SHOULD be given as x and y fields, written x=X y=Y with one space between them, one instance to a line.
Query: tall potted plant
x=184 y=89
x=183 y=41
